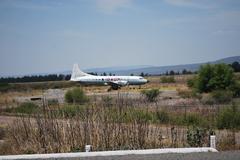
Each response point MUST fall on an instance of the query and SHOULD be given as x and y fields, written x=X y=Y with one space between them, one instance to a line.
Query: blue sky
x=38 y=36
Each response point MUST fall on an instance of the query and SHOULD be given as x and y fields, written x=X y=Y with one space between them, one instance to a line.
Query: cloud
x=109 y=6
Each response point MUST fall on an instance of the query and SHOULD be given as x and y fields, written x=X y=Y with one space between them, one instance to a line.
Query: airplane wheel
x=109 y=89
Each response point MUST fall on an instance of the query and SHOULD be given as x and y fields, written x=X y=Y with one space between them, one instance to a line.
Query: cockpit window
x=140 y=78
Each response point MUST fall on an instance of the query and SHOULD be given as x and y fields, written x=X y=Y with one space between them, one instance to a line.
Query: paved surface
x=230 y=155
x=102 y=154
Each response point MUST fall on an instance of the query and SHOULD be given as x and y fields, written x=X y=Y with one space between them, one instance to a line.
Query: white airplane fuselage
x=130 y=80
x=114 y=81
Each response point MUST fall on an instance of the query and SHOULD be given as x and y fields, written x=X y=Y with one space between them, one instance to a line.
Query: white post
x=87 y=148
x=213 y=141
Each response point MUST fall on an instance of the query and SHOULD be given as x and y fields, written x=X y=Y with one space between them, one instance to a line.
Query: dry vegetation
x=122 y=121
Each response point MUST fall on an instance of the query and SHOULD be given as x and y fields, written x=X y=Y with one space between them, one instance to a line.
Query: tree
x=171 y=72
x=235 y=66
x=214 y=77
x=142 y=74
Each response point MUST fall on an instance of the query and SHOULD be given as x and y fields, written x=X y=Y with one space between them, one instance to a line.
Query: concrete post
x=87 y=148
x=213 y=141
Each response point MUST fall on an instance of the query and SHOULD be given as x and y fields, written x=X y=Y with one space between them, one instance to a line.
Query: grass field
x=113 y=120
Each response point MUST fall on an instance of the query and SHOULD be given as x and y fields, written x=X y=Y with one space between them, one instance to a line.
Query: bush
x=217 y=97
x=196 y=136
x=69 y=111
x=207 y=99
x=222 y=96
x=151 y=94
x=194 y=120
x=191 y=82
x=229 y=118
x=163 y=116
x=2 y=132
x=168 y=79
x=52 y=102
x=4 y=87
x=235 y=88
x=188 y=94
x=76 y=95
x=27 y=108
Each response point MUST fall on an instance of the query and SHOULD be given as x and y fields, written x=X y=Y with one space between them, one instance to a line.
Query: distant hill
x=155 y=70
x=228 y=60
x=117 y=68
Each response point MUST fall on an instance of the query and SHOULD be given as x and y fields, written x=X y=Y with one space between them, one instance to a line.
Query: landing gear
x=109 y=89
x=113 y=88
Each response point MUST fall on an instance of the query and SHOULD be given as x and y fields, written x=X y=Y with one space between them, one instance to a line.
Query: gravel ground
x=229 y=155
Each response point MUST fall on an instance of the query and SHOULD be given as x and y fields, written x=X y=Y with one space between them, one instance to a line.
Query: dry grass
x=50 y=132
x=8 y=98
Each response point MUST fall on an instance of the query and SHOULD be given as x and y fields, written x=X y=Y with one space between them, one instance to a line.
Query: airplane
x=116 y=82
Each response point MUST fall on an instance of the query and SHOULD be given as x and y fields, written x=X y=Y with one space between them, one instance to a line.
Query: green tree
x=214 y=77
x=236 y=66
x=142 y=74
x=172 y=72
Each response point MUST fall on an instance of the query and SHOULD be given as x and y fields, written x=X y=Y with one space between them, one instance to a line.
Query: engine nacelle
x=122 y=83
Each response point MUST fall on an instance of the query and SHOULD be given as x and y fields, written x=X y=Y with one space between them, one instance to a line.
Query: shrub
x=168 y=79
x=163 y=116
x=52 y=101
x=190 y=82
x=142 y=116
x=235 y=88
x=217 y=97
x=229 y=118
x=27 y=108
x=194 y=120
x=188 y=94
x=196 y=136
x=207 y=99
x=69 y=111
x=76 y=95
x=222 y=96
x=4 y=87
x=151 y=94
x=2 y=132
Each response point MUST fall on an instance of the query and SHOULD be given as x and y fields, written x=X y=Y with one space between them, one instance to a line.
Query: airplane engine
x=122 y=83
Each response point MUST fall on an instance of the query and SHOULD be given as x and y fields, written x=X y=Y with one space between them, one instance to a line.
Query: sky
x=47 y=36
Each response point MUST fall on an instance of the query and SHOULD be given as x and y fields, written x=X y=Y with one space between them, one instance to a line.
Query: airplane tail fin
x=76 y=72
